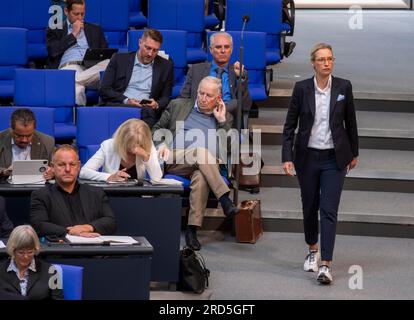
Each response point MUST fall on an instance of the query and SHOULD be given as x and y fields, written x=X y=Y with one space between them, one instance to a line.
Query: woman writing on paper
x=130 y=154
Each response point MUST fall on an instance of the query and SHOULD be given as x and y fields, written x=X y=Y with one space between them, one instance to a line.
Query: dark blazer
x=200 y=70
x=342 y=122
x=42 y=147
x=49 y=215
x=58 y=41
x=6 y=226
x=37 y=287
x=119 y=72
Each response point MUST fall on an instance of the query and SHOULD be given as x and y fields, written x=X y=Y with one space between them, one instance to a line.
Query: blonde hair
x=318 y=47
x=132 y=133
x=23 y=237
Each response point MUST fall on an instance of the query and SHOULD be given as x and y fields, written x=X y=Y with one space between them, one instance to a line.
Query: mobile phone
x=144 y=101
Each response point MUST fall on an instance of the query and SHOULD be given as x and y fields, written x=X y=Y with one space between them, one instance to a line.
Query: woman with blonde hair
x=130 y=154
x=24 y=276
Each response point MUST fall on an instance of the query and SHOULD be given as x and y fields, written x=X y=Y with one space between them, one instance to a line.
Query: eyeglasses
x=22 y=253
x=22 y=136
x=323 y=60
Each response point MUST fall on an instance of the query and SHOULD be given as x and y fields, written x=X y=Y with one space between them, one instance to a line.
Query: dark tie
x=219 y=72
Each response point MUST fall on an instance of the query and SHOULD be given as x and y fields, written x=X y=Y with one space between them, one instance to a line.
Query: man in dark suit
x=326 y=147
x=6 y=226
x=68 y=207
x=67 y=47
x=142 y=79
x=22 y=142
x=221 y=47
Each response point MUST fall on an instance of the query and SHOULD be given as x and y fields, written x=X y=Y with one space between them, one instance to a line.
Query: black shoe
x=229 y=209
x=289 y=46
x=191 y=240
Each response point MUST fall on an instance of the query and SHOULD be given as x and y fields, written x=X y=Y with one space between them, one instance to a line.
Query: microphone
x=246 y=19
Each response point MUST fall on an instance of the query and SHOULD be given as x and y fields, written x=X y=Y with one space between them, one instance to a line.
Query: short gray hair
x=317 y=47
x=23 y=237
x=212 y=80
x=220 y=33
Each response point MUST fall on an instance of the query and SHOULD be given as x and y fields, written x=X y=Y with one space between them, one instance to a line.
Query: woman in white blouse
x=130 y=154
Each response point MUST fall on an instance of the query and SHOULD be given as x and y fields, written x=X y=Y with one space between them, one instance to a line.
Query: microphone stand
x=239 y=113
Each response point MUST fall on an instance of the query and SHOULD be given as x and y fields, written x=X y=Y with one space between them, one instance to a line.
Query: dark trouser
x=321 y=185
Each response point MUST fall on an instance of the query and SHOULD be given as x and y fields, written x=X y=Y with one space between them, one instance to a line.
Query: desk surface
x=146 y=189
x=64 y=249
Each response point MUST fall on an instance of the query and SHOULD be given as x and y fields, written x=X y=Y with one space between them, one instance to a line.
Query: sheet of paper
x=2 y=245
x=114 y=240
x=167 y=182
x=119 y=240
x=83 y=240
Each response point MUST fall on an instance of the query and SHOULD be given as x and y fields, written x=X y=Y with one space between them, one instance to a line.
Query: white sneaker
x=311 y=261
x=324 y=275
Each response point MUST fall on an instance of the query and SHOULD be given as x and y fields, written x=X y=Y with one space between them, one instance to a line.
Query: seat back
x=52 y=89
x=174 y=44
x=254 y=60
x=136 y=17
x=265 y=16
x=13 y=54
x=108 y=118
x=72 y=281
x=181 y=15
x=45 y=119
x=113 y=17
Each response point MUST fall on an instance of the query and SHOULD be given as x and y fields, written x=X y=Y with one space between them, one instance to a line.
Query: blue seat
x=45 y=119
x=265 y=16
x=72 y=281
x=136 y=17
x=113 y=18
x=13 y=55
x=52 y=89
x=186 y=182
x=107 y=120
x=181 y=15
x=174 y=44
x=211 y=20
x=254 y=60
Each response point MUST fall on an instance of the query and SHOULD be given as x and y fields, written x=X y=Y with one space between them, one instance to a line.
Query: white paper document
x=2 y=245
x=167 y=182
x=112 y=240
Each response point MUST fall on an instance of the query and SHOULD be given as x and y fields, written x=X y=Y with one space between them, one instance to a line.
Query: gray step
x=387 y=170
x=377 y=130
x=355 y=206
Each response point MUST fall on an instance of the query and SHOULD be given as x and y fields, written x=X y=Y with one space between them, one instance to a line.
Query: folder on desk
x=103 y=240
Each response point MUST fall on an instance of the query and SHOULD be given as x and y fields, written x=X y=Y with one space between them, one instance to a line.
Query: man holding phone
x=190 y=149
x=140 y=79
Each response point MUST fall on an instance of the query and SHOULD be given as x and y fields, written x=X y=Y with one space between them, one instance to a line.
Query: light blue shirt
x=76 y=52
x=20 y=153
x=139 y=86
x=321 y=135
x=225 y=83
x=25 y=280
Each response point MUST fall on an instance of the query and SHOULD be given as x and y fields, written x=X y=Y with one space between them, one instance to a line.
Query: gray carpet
x=272 y=268
x=377 y=58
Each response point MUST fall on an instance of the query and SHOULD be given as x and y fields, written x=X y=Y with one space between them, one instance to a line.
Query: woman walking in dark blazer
x=324 y=150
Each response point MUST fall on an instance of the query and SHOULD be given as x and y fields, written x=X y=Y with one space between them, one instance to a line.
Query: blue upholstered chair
x=254 y=60
x=181 y=15
x=174 y=44
x=13 y=55
x=49 y=88
x=106 y=120
x=136 y=17
x=45 y=119
x=113 y=17
x=72 y=281
x=265 y=16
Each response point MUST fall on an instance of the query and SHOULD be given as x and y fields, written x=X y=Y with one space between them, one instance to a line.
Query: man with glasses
x=141 y=79
x=221 y=48
x=191 y=127
x=67 y=207
x=22 y=142
x=324 y=150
